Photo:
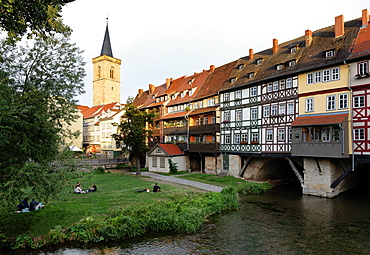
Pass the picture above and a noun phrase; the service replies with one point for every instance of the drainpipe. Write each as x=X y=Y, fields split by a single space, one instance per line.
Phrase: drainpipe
x=351 y=114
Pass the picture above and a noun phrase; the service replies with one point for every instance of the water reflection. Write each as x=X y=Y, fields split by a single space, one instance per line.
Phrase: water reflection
x=281 y=221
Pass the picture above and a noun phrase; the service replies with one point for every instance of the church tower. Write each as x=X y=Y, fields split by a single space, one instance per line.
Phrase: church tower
x=106 y=75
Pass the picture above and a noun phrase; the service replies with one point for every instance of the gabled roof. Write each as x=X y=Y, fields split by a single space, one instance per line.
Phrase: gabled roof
x=362 y=44
x=203 y=110
x=83 y=108
x=106 y=48
x=168 y=148
x=306 y=57
x=175 y=115
x=214 y=81
x=96 y=110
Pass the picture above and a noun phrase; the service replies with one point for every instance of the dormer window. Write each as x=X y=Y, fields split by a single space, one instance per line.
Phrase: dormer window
x=250 y=75
x=279 y=66
x=233 y=79
x=240 y=67
x=191 y=81
x=292 y=62
x=190 y=92
x=329 y=53
x=259 y=61
x=293 y=49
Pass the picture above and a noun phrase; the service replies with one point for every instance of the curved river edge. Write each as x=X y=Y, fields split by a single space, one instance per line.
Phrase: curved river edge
x=183 y=214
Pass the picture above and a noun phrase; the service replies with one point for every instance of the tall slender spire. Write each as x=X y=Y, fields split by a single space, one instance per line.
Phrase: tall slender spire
x=106 y=49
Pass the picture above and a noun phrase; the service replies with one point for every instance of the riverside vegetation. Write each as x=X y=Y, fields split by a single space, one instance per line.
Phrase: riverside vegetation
x=116 y=211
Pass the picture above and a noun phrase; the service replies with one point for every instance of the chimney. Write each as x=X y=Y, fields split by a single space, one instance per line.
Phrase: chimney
x=140 y=92
x=308 y=37
x=250 y=54
x=212 y=68
x=365 y=17
x=339 y=26
x=275 y=46
x=151 y=88
x=168 y=83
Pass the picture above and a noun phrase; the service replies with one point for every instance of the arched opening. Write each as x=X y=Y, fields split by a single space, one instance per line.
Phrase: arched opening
x=99 y=72
x=111 y=73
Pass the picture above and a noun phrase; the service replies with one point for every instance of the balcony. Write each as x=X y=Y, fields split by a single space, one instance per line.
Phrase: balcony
x=174 y=130
x=204 y=129
x=204 y=147
x=319 y=149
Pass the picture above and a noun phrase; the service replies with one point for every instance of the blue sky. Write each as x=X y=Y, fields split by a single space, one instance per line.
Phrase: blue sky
x=167 y=39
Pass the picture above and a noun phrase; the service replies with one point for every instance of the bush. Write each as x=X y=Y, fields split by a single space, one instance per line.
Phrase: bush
x=173 y=166
x=100 y=170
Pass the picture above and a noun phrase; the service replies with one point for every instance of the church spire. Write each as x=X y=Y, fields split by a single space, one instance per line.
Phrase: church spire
x=106 y=49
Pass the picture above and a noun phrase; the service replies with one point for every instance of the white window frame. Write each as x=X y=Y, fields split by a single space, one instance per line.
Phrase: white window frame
x=330 y=102
x=282 y=109
x=310 y=78
x=227 y=139
x=317 y=77
x=236 y=138
x=326 y=75
x=269 y=135
x=343 y=101
x=226 y=97
x=274 y=110
x=244 y=137
x=227 y=115
x=290 y=108
x=281 y=134
x=238 y=115
x=362 y=68
x=335 y=74
x=289 y=83
x=154 y=162
x=359 y=134
x=238 y=94
x=266 y=111
x=162 y=162
x=275 y=86
x=359 y=101
x=309 y=104
x=253 y=91
x=254 y=114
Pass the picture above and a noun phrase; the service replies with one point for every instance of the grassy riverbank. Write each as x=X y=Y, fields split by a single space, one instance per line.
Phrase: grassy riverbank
x=115 y=211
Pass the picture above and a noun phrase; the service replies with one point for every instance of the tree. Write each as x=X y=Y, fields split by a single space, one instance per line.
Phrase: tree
x=133 y=131
x=38 y=84
x=31 y=17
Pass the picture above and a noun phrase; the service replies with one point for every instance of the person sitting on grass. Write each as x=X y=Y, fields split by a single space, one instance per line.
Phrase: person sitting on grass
x=156 y=188
x=34 y=205
x=23 y=204
x=78 y=189
x=93 y=188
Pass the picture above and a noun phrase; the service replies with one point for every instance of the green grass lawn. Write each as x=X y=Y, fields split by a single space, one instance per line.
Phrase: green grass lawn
x=115 y=190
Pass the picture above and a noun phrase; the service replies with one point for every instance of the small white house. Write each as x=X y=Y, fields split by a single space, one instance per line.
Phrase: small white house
x=160 y=154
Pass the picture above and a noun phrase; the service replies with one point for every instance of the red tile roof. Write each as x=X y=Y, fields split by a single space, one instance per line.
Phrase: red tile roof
x=96 y=110
x=83 y=108
x=175 y=115
x=203 y=110
x=170 y=149
x=362 y=44
x=319 y=120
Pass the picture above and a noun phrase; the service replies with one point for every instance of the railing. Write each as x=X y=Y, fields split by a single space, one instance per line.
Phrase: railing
x=204 y=147
x=204 y=129
x=174 y=130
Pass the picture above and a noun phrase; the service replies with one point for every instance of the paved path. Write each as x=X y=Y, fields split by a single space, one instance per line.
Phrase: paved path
x=199 y=185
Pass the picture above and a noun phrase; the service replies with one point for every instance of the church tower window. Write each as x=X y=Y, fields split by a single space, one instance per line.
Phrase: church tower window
x=111 y=73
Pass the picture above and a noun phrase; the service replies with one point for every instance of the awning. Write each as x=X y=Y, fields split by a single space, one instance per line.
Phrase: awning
x=322 y=120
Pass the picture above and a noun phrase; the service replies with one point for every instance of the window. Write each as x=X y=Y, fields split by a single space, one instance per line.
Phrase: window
x=205 y=120
x=309 y=104
x=266 y=111
x=254 y=114
x=227 y=138
x=362 y=68
x=244 y=138
x=359 y=133
x=279 y=66
x=310 y=78
x=250 y=75
x=329 y=53
x=275 y=86
x=281 y=134
x=259 y=61
x=213 y=120
x=211 y=102
x=233 y=79
x=273 y=110
x=269 y=135
x=227 y=116
x=343 y=101
x=162 y=162
x=292 y=63
x=293 y=49
x=317 y=77
x=330 y=102
x=238 y=115
x=326 y=75
x=254 y=137
x=99 y=71
x=290 y=108
x=359 y=101
x=111 y=73
x=282 y=84
x=154 y=161
x=290 y=133
x=269 y=87
x=240 y=67
x=190 y=92
x=227 y=97
x=325 y=134
x=335 y=73
x=236 y=138
x=289 y=83
x=253 y=91
x=282 y=109
x=238 y=94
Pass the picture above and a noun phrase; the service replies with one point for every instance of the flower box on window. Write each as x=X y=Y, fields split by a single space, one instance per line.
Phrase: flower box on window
x=360 y=76
x=254 y=142
x=226 y=121
x=243 y=143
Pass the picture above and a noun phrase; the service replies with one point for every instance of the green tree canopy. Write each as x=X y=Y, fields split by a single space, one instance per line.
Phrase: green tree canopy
x=134 y=130
x=31 y=17
x=38 y=84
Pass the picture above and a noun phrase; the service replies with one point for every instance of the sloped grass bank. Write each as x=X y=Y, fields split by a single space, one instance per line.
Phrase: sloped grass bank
x=115 y=214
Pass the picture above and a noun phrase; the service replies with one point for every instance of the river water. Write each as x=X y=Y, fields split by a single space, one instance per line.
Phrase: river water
x=281 y=221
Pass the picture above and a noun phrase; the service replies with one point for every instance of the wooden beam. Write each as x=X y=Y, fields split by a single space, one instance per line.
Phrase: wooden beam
x=246 y=163
x=296 y=172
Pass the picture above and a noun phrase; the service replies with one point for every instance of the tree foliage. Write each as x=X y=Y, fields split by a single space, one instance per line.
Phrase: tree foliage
x=134 y=130
x=38 y=84
x=31 y=17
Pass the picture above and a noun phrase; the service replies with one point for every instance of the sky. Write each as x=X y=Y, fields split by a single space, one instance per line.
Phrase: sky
x=168 y=39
